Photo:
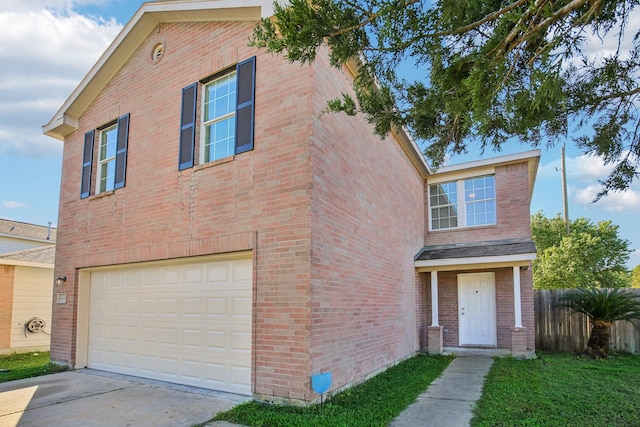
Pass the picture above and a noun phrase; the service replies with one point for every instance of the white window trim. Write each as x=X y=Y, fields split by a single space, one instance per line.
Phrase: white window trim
x=102 y=163
x=461 y=204
x=204 y=125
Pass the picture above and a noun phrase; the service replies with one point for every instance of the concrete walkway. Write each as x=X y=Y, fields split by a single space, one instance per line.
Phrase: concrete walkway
x=450 y=398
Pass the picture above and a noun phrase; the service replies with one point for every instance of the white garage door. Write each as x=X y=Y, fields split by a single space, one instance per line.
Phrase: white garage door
x=187 y=323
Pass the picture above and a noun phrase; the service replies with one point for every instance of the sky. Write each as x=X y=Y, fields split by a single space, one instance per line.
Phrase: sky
x=49 y=45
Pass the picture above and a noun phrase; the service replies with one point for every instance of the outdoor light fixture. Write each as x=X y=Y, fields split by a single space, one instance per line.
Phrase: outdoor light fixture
x=60 y=280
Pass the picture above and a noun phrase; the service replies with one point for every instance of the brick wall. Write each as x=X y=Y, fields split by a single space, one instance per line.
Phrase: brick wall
x=7 y=274
x=367 y=220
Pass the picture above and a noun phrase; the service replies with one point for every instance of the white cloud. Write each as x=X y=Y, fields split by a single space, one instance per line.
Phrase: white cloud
x=12 y=204
x=47 y=47
x=584 y=174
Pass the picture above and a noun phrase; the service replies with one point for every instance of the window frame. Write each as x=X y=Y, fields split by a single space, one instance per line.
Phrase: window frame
x=191 y=120
x=103 y=163
x=461 y=203
x=218 y=77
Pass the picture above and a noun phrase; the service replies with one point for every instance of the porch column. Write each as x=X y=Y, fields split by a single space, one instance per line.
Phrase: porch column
x=518 y=332
x=435 y=341
x=516 y=297
x=434 y=298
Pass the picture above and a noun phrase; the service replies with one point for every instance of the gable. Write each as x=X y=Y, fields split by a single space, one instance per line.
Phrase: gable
x=147 y=18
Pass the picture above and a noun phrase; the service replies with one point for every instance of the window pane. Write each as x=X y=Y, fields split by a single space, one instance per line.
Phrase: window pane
x=106 y=159
x=219 y=118
x=480 y=201
x=444 y=205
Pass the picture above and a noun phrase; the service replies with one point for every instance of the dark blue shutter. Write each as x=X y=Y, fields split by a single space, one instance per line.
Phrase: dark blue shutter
x=246 y=81
x=187 y=126
x=121 y=151
x=87 y=159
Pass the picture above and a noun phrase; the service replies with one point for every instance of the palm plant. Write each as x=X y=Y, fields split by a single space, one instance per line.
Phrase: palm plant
x=602 y=307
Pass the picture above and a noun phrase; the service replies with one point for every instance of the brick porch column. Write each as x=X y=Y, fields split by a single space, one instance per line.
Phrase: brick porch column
x=435 y=343
x=518 y=342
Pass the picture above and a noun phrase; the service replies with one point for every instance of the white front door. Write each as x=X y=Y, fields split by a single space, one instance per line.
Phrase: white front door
x=477 y=309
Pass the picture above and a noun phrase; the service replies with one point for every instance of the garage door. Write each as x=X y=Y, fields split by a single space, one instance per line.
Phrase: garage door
x=187 y=323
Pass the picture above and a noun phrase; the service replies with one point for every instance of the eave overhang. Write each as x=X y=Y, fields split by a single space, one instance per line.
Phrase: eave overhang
x=492 y=254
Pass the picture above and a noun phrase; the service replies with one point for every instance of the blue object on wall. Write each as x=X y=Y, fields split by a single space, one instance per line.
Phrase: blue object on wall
x=320 y=383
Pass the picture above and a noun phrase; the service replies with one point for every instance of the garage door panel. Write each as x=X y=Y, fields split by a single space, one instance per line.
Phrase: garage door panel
x=189 y=324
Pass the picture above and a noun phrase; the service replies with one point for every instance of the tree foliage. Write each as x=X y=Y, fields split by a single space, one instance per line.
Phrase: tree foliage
x=591 y=255
x=482 y=71
x=603 y=307
x=635 y=277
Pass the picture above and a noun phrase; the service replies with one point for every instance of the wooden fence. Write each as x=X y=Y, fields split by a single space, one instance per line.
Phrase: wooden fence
x=558 y=330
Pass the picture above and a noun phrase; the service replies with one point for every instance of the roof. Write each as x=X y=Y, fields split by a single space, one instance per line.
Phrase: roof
x=494 y=252
x=145 y=20
x=38 y=257
x=16 y=229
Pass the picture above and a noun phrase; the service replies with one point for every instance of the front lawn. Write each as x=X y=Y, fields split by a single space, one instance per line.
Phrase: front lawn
x=25 y=365
x=373 y=403
x=561 y=390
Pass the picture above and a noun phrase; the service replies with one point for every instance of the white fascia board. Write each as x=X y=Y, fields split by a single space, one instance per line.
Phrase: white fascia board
x=20 y=263
x=490 y=162
x=474 y=262
x=148 y=16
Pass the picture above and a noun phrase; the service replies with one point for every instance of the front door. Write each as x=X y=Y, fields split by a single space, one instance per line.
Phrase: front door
x=477 y=309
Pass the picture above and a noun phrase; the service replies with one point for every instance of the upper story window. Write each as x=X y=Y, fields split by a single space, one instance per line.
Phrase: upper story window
x=227 y=115
x=219 y=118
x=107 y=159
x=463 y=203
x=111 y=164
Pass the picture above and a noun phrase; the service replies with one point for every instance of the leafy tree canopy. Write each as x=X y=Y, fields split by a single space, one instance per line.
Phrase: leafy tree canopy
x=591 y=255
x=635 y=277
x=484 y=71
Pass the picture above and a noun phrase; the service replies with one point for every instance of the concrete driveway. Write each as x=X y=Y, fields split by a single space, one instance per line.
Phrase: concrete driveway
x=93 y=398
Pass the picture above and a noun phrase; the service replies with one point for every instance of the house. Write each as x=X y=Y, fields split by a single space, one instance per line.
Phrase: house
x=218 y=231
x=27 y=253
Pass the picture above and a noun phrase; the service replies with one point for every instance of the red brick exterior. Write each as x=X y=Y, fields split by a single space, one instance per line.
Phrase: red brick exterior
x=7 y=274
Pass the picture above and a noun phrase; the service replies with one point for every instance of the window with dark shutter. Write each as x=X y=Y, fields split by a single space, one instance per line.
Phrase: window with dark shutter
x=87 y=158
x=121 y=151
x=246 y=71
x=187 y=127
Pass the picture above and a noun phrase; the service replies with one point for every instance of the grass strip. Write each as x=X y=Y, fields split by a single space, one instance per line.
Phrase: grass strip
x=561 y=390
x=373 y=403
x=26 y=365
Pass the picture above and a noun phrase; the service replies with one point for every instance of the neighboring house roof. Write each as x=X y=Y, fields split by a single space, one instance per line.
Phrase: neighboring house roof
x=488 y=252
x=43 y=256
x=16 y=229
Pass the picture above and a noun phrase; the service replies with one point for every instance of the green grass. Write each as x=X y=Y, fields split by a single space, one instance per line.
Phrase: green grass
x=373 y=403
x=561 y=390
x=26 y=365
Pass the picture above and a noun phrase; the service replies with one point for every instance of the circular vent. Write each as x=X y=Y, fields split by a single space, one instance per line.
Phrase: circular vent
x=158 y=52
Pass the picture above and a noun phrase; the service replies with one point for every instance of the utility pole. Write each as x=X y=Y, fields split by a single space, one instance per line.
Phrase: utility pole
x=564 y=188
